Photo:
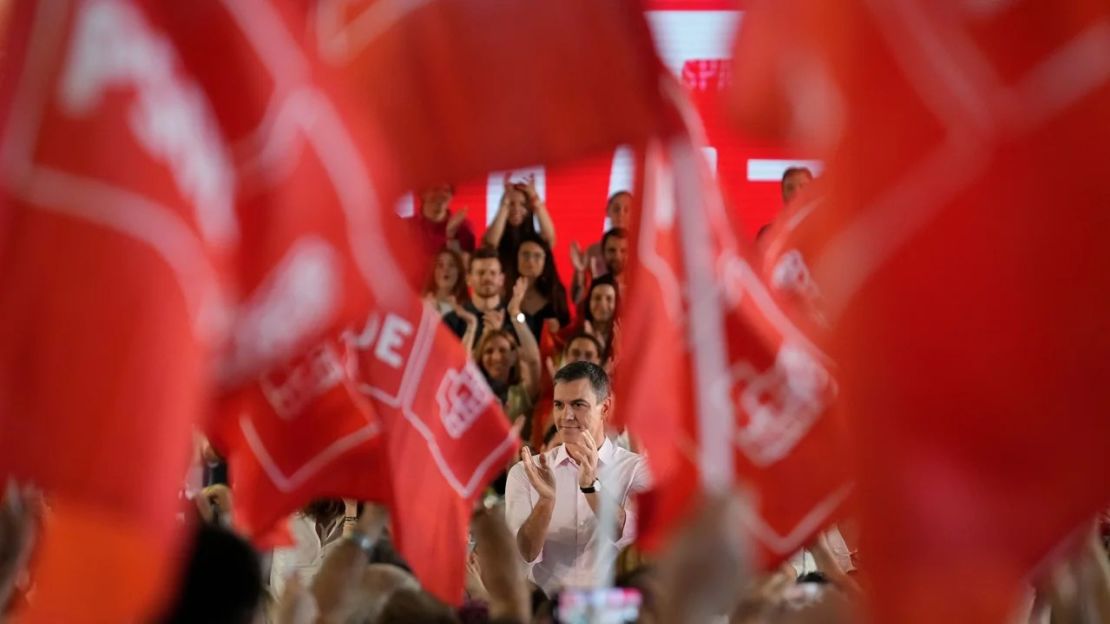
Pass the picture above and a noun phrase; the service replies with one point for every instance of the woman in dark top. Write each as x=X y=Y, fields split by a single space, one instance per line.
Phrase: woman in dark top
x=546 y=297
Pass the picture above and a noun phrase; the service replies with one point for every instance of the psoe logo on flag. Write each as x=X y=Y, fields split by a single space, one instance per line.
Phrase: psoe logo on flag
x=463 y=397
x=778 y=405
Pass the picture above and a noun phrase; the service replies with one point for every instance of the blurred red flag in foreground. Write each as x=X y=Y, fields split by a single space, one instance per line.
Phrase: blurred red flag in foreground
x=961 y=259
x=395 y=414
x=301 y=432
x=445 y=437
x=726 y=389
x=169 y=228
x=470 y=87
x=197 y=158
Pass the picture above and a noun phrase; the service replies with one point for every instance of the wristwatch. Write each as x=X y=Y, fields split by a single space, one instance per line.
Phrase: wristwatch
x=591 y=488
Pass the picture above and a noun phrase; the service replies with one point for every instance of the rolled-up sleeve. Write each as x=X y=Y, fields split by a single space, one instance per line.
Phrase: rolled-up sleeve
x=640 y=482
x=518 y=503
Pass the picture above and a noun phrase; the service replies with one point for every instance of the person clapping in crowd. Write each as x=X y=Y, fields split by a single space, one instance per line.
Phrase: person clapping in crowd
x=545 y=299
x=486 y=303
x=591 y=264
x=436 y=226
x=520 y=209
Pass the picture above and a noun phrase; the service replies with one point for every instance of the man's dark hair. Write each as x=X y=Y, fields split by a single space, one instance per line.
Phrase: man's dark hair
x=618 y=232
x=485 y=252
x=574 y=371
x=792 y=170
x=222 y=583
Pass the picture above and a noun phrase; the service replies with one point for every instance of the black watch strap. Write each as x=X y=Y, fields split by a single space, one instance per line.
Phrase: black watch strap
x=591 y=488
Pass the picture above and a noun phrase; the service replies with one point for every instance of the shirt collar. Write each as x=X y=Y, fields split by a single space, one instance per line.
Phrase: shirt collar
x=604 y=454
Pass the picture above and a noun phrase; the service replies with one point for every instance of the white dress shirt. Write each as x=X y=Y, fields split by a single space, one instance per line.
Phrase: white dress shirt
x=571 y=548
x=307 y=553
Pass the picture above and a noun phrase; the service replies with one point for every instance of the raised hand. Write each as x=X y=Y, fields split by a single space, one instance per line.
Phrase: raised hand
x=498 y=567
x=553 y=326
x=539 y=474
x=493 y=320
x=577 y=257
x=519 y=290
x=530 y=187
x=461 y=312
x=17 y=535
x=455 y=221
x=584 y=453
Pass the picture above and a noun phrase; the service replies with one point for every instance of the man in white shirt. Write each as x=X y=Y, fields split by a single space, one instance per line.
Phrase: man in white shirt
x=552 y=500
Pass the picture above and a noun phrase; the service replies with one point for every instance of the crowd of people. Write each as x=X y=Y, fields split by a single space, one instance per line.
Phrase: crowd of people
x=539 y=539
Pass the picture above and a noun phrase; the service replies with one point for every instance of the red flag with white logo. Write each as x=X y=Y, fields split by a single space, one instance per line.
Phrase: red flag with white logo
x=961 y=259
x=724 y=388
x=445 y=434
x=300 y=433
x=183 y=208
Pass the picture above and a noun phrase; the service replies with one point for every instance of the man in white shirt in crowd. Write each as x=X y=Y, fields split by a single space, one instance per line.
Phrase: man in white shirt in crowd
x=553 y=499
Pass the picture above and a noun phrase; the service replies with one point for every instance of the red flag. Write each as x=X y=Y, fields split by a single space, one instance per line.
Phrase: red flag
x=485 y=85
x=726 y=389
x=170 y=224
x=961 y=258
x=300 y=433
x=446 y=435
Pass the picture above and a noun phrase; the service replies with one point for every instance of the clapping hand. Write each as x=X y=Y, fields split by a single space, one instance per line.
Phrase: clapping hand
x=455 y=221
x=577 y=257
x=584 y=453
x=530 y=187
x=519 y=289
x=539 y=473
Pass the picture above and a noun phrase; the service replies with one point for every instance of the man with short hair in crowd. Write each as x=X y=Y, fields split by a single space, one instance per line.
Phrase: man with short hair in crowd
x=614 y=246
x=794 y=179
x=436 y=226
x=487 y=285
x=553 y=499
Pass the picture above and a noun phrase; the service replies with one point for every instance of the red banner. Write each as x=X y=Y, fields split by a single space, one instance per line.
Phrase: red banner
x=971 y=329
x=720 y=385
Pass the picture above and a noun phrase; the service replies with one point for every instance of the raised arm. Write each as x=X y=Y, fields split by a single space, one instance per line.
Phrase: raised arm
x=529 y=521
x=496 y=230
x=470 y=336
x=530 y=364
x=547 y=226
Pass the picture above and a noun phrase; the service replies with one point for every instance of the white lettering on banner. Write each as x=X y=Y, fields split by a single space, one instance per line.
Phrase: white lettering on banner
x=780 y=403
x=463 y=396
x=321 y=371
x=170 y=118
x=394 y=332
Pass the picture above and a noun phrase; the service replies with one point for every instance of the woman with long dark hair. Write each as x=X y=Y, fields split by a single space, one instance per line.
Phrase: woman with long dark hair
x=599 y=312
x=546 y=297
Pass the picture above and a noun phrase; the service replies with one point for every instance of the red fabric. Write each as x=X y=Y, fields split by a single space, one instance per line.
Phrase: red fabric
x=461 y=104
x=156 y=247
x=970 y=329
x=445 y=434
x=433 y=236
x=726 y=390
x=300 y=433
